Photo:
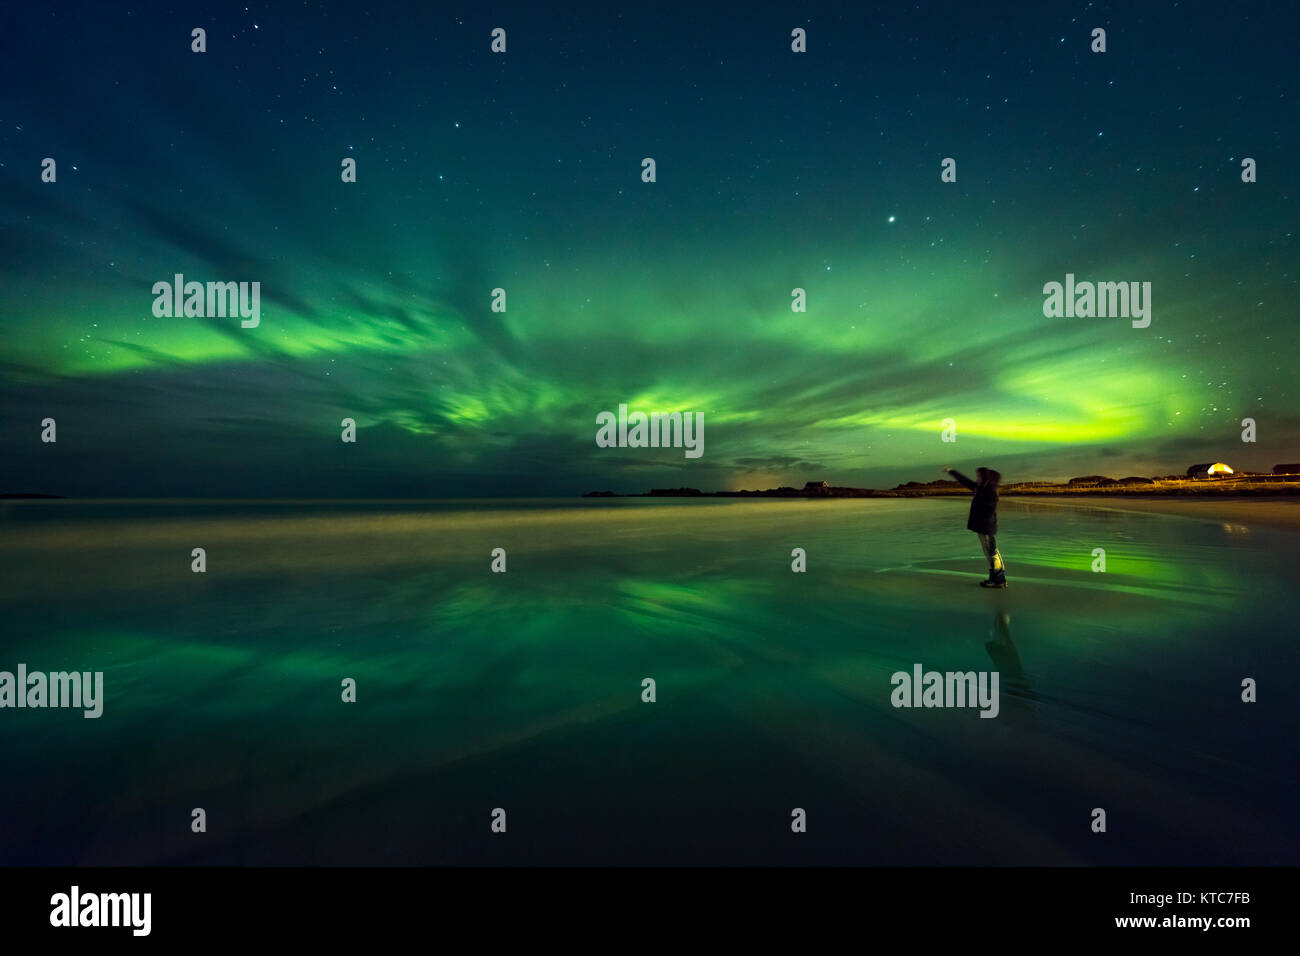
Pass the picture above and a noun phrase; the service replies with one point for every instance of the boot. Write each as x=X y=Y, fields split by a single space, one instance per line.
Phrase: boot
x=997 y=579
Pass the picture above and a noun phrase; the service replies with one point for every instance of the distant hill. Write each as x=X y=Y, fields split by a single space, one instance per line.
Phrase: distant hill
x=1243 y=483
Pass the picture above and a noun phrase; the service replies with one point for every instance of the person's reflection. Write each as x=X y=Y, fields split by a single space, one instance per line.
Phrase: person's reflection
x=1016 y=691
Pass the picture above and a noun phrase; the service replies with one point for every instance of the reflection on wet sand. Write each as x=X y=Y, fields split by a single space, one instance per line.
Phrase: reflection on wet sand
x=1016 y=691
x=222 y=689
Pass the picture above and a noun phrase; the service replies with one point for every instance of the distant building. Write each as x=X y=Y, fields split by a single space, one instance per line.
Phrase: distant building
x=1286 y=469
x=1092 y=480
x=1209 y=469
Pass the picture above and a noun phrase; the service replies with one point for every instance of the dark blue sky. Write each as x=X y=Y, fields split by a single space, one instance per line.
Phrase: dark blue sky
x=522 y=171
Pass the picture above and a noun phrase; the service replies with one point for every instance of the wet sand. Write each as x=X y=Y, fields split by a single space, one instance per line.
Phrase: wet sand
x=1280 y=512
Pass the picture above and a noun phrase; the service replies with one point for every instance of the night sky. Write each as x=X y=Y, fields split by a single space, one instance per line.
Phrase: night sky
x=775 y=170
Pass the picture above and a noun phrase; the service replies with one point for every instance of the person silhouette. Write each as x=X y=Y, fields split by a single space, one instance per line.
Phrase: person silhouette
x=983 y=519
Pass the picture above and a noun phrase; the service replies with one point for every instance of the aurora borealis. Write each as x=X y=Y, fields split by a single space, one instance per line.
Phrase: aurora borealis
x=521 y=170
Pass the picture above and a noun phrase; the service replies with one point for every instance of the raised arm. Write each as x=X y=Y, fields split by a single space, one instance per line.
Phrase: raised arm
x=962 y=478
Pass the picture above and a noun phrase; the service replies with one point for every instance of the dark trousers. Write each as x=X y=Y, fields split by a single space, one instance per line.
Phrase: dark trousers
x=990 y=545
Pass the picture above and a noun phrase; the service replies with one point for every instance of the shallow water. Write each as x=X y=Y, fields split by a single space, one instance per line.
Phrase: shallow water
x=1119 y=690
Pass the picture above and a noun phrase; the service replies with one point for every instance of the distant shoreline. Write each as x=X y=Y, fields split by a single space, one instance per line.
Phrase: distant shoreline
x=1251 y=486
x=1265 y=487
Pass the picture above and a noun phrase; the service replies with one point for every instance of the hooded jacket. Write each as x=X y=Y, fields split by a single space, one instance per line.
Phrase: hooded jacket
x=983 y=507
